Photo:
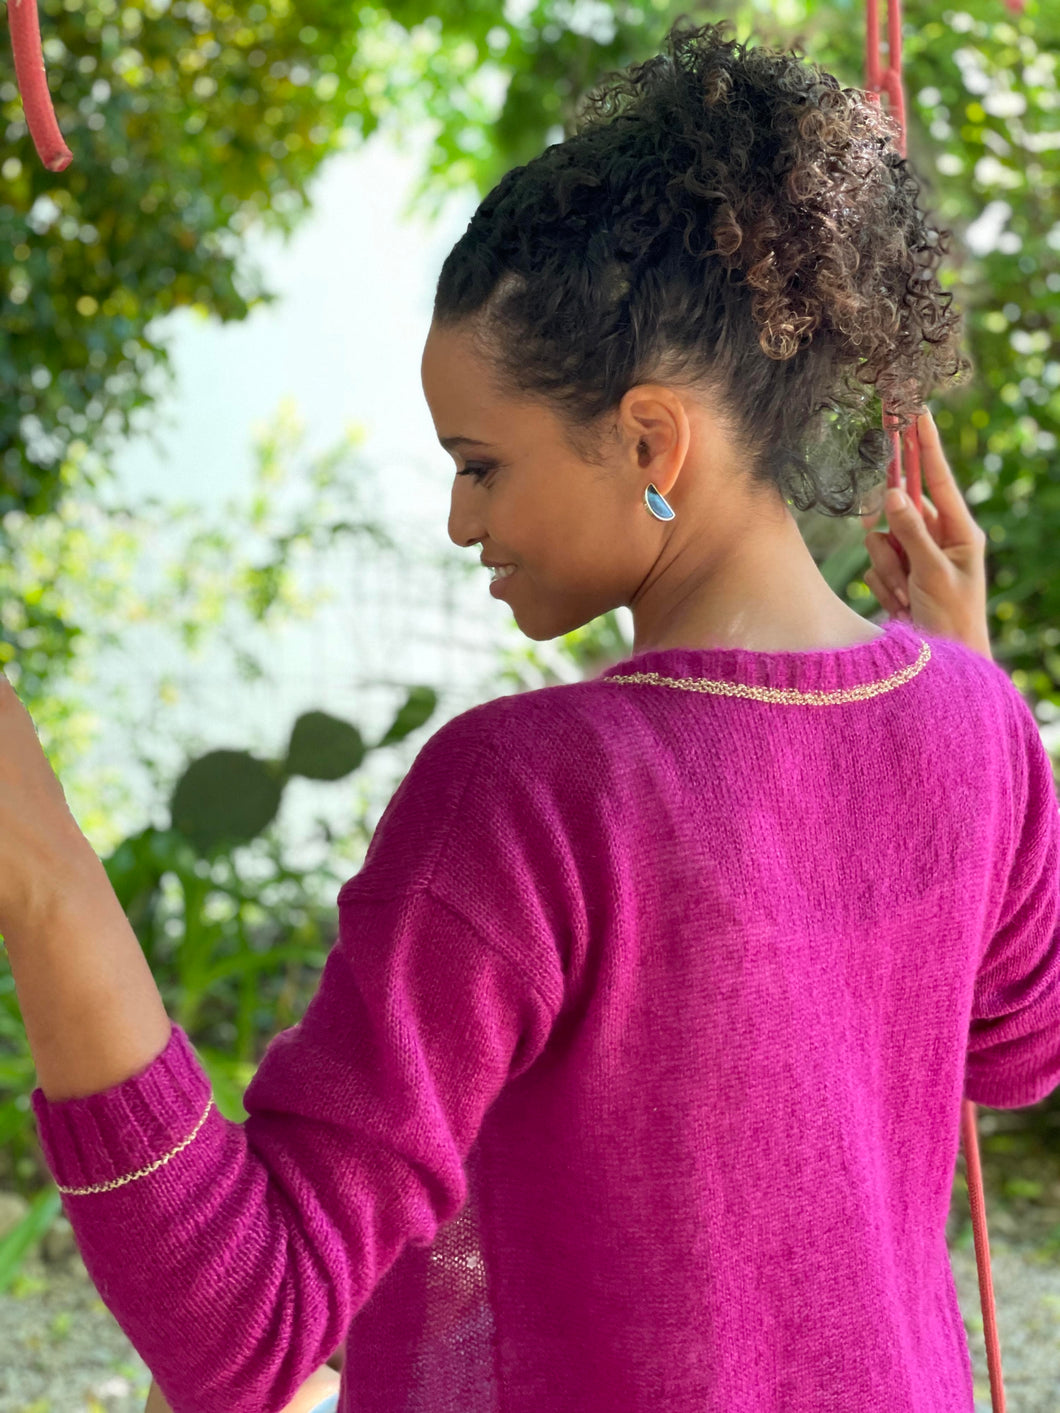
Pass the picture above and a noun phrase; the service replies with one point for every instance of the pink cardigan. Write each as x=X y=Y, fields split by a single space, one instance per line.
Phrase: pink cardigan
x=633 y=1080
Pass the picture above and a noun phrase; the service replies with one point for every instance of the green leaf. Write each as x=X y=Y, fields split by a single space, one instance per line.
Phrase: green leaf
x=418 y=708
x=22 y=1238
x=323 y=747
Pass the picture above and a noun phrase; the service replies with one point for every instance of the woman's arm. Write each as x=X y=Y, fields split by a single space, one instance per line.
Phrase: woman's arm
x=91 y=1007
x=319 y=1384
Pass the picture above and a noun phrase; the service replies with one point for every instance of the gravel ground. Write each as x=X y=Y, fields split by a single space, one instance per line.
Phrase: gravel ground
x=63 y=1351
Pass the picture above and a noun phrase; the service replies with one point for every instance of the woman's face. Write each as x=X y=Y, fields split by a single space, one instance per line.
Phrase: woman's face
x=578 y=534
x=731 y=568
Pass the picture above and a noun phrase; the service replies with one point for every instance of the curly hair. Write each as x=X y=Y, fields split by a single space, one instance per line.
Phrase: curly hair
x=731 y=220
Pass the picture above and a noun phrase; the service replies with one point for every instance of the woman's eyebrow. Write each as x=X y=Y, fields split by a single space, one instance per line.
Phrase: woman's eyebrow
x=449 y=442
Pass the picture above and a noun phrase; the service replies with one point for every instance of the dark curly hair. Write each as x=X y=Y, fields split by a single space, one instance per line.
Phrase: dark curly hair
x=728 y=219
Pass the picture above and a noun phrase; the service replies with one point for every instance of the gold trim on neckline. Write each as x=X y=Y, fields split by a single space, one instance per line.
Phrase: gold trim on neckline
x=789 y=696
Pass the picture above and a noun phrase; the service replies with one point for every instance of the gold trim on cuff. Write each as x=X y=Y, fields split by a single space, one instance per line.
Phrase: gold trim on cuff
x=120 y=1182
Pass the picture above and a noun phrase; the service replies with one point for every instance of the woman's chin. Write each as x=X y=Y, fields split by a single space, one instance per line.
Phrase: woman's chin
x=539 y=630
x=542 y=623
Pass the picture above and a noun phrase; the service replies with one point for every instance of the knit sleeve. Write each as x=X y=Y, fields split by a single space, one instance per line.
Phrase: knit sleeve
x=1013 y=1057
x=235 y=1256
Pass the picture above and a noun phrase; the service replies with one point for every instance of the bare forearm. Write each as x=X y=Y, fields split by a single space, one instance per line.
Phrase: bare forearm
x=319 y=1384
x=90 y=1007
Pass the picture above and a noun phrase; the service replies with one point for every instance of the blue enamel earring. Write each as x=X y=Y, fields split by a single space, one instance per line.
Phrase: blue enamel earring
x=656 y=503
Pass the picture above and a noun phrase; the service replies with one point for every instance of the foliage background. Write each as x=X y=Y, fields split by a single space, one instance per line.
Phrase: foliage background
x=193 y=125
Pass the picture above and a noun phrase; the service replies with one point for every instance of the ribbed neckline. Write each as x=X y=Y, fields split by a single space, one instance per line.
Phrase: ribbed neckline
x=891 y=658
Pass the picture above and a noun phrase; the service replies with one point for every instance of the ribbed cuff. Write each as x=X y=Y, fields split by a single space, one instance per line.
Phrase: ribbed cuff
x=108 y=1138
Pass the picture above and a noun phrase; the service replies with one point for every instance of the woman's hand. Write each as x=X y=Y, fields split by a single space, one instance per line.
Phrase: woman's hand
x=944 y=590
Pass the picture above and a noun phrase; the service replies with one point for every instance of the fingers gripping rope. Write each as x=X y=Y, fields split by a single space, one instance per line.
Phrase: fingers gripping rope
x=33 y=85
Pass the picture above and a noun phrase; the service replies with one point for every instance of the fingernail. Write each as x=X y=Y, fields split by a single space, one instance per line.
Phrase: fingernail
x=902 y=597
x=895 y=500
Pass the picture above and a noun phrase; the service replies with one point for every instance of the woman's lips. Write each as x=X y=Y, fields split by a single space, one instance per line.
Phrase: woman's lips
x=497 y=586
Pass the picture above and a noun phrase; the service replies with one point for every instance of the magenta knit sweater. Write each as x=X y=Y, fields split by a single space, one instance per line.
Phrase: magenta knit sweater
x=633 y=1080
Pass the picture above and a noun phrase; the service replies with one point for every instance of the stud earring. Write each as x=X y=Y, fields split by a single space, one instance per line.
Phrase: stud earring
x=657 y=504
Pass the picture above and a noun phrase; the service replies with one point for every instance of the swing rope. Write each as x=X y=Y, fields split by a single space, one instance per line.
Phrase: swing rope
x=33 y=86
x=56 y=156
x=889 y=81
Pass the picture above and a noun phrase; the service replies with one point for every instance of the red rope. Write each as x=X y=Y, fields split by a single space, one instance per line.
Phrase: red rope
x=33 y=85
x=889 y=81
x=970 y=1139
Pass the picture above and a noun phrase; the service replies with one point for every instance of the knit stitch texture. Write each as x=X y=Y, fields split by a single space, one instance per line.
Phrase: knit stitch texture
x=633 y=1080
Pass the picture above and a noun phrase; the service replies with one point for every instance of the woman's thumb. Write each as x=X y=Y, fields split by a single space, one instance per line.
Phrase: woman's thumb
x=909 y=526
x=896 y=501
x=904 y=528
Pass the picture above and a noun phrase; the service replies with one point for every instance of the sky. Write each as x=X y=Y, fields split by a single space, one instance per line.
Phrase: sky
x=355 y=286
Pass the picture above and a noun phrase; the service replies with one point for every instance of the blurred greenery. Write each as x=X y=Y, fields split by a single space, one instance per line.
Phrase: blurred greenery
x=193 y=126
x=211 y=121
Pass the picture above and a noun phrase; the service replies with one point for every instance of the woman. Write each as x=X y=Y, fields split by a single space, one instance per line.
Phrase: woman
x=945 y=590
x=633 y=1078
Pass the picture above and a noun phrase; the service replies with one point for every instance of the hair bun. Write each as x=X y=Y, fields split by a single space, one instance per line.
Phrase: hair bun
x=731 y=218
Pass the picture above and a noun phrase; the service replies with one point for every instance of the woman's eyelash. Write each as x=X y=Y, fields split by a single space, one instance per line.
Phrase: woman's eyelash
x=478 y=468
